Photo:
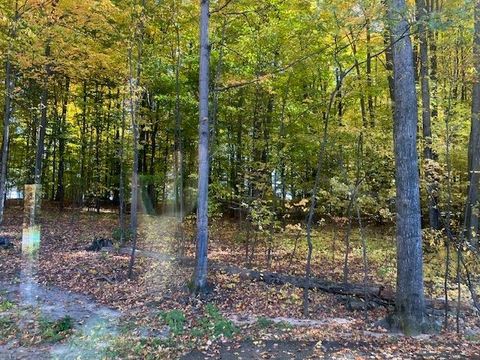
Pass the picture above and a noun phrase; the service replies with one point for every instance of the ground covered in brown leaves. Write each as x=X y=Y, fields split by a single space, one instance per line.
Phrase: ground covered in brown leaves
x=159 y=318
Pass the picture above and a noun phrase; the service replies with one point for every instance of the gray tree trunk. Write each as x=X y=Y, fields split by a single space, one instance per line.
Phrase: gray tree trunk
x=200 y=278
x=432 y=188
x=43 y=122
x=60 y=195
x=121 y=179
x=6 y=132
x=8 y=112
x=410 y=301
x=471 y=215
x=135 y=95
x=178 y=141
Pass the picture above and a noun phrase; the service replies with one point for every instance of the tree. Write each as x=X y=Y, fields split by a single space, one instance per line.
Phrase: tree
x=135 y=95
x=8 y=111
x=471 y=215
x=409 y=302
x=432 y=189
x=200 y=278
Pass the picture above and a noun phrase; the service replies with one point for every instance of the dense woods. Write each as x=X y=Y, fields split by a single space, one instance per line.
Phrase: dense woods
x=294 y=138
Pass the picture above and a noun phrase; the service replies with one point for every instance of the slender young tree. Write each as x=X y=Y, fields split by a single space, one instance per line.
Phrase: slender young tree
x=200 y=277
x=8 y=112
x=471 y=215
x=60 y=194
x=43 y=121
x=409 y=302
x=422 y=17
x=134 y=89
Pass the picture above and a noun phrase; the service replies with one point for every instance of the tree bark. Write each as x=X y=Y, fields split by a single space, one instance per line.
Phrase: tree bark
x=471 y=215
x=178 y=141
x=61 y=146
x=432 y=189
x=6 y=131
x=200 y=278
x=371 y=107
x=410 y=302
x=134 y=96
x=43 y=122
x=121 y=179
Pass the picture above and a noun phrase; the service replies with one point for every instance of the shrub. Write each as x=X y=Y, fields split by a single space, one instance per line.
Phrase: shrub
x=175 y=319
x=57 y=330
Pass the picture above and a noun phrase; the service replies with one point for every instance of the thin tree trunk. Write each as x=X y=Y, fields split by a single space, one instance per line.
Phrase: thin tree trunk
x=8 y=112
x=313 y=199
x=432 y=188
x=200 y=280
x=84 y=143
x=134 y=198
x=61 y=145
x=371 y=107
x=134 y=96
x=363 y=109
x=474 y=143
x=43 y=122
x=122 y=180
x=178 y=142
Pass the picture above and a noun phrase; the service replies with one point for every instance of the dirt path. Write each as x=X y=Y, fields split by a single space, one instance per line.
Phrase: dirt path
x=95 y=325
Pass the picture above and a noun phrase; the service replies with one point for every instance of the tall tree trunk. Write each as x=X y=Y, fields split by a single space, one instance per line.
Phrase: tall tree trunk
x=61 y=146
x=134 y=103
x=43 y=122
x=313 y=198
x=471 y=215
x=363 y=108
x=410 y=302
x=83 y=138
x=121 y=179
x=371 y=107
x=432 y=188
x=134 y=197
x=178 y=142
x=200 y=278
x=8 y=112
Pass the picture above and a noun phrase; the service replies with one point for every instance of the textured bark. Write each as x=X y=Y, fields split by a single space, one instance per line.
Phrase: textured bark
x=471 y=215
x=178 y=143
x=8 y=113
x=371 y=106
x=61 y=146
x=134 y=103
x=432 y=188
x=43 y=122
x=200 y=279
x=83 y=149
x=6 y=133
x=121 y=179
x=409 y=302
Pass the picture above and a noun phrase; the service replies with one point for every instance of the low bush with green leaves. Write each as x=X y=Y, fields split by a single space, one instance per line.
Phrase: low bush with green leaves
x=214 y=324
x=6 y=305
x=7 y=328
x=55 y=330
x=175 y=319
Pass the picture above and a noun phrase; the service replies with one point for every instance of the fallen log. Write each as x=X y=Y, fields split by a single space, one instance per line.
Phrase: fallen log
x=372 y=294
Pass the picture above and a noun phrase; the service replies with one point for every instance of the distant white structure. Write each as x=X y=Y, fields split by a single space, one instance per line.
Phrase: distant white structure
x=13 y=193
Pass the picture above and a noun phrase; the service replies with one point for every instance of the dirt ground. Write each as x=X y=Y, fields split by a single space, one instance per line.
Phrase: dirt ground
x=114 y=317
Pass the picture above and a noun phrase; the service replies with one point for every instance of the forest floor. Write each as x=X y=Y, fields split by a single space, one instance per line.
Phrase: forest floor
x=74 y=304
